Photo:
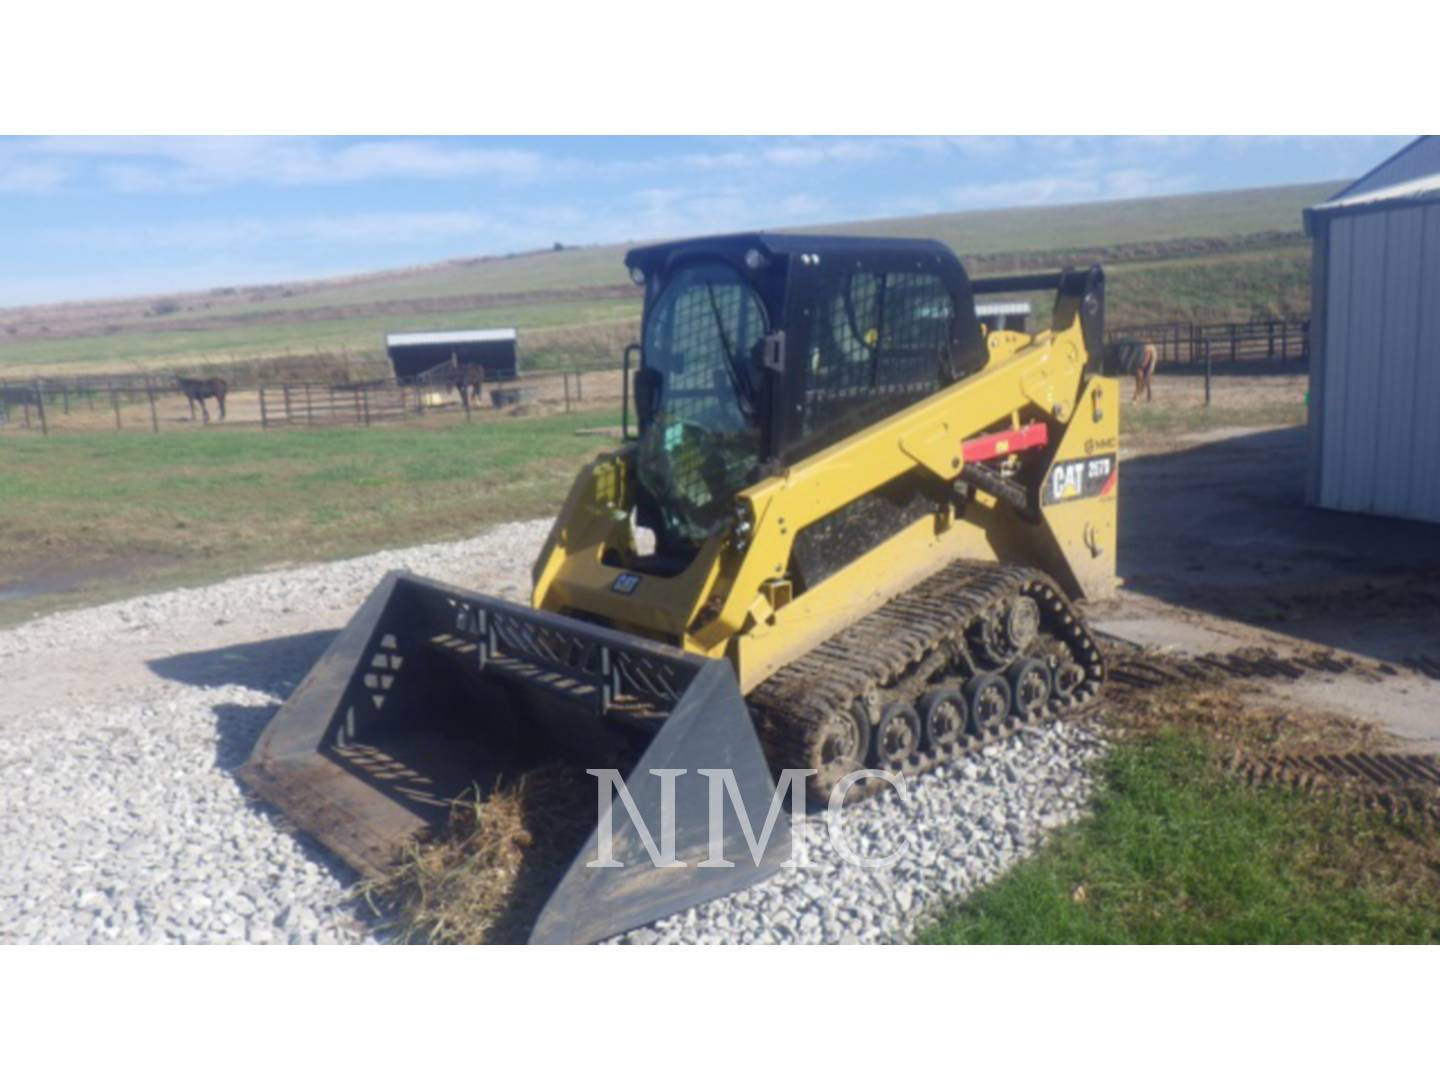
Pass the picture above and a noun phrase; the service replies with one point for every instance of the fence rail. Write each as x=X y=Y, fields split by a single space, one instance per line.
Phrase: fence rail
x=1196 y=343
x=46 y=406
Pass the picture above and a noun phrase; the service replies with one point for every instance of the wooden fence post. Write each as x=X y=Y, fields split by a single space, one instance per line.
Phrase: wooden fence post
x=154 y=418
x=365 y=403
x=40 y=407
x=115 y=404
x=566 y=376
x=285 y=398
x=309 y=409
x=264 y=420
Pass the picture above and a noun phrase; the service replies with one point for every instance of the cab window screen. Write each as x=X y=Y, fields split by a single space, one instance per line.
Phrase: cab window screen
x=877 y=344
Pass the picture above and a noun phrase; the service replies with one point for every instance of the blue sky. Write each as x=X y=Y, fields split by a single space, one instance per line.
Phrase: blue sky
x=111 y=216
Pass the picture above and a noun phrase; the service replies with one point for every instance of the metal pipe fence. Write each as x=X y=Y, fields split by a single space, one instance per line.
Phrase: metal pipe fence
x=1259 y=341
x=127 y=403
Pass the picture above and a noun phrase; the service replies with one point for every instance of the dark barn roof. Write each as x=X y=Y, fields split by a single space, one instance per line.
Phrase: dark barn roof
x=413 y=354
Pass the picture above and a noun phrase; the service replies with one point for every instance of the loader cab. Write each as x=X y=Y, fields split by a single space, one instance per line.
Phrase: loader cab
x=761 y=349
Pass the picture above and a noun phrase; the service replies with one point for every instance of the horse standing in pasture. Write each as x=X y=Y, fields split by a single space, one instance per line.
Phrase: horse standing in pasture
x=197 y=390
x=1144 y=371
x=469 y=382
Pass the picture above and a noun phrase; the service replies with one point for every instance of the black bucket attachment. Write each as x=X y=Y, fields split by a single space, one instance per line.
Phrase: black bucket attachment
x=431 y=691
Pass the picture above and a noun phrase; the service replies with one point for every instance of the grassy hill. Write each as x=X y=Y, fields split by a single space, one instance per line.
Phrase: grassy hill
x=1210 y=256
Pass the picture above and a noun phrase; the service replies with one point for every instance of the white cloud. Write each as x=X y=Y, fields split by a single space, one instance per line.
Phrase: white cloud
x=1078 y=185
x=203 y=164
x=812 y=153
x=33 y=178
x=366 y=229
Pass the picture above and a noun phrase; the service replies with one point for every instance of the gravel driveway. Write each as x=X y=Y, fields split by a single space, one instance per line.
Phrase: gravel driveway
x=121 y=820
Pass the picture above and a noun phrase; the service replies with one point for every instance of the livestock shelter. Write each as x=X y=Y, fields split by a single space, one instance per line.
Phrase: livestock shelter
x=1375 y=340
x=414 y=354
x=1004 y=314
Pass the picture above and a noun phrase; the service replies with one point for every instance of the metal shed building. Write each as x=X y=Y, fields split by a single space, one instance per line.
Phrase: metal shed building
x=1374 y=425
x=413 y=354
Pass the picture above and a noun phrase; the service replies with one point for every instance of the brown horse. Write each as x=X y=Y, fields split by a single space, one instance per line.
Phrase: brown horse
x=197 y=390
x=1144 y=371
x=469 y=381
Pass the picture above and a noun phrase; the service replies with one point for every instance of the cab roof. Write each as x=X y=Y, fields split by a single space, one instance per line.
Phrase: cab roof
x=732 y=246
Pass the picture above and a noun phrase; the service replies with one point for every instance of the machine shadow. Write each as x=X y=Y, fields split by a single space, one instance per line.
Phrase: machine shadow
x=1222 y=528
x=274 y=666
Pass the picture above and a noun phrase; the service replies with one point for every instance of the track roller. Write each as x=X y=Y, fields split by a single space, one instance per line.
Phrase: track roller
x=944 y=717
x=1030 y=687
x=988 y=697
x=897 y=737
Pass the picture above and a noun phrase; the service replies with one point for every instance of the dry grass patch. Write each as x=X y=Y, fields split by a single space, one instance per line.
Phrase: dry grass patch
x=484 y=880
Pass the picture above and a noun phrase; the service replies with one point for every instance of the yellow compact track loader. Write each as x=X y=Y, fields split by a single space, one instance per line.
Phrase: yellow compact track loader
x=845 y=534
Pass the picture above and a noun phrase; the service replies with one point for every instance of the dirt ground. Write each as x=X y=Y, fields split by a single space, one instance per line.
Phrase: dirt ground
x=1218 y=551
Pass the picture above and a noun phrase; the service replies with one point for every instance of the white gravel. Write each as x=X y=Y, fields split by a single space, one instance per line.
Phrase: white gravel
x=125 y=824
x=121 y=820
x=120 y=817
x=964 y=825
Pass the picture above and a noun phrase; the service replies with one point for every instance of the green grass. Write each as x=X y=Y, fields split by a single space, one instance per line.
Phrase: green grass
x=158 y=346
x=1212 y=288
x=176 y=508
x=1178 y=852
x=1103 y=224
x=1164 y=419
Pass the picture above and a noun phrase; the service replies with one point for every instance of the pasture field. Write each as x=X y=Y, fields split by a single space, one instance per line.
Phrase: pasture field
x=554 y=332
x=115 y=514
x=1214 y=215
x=1216 y=256
x=97 y=514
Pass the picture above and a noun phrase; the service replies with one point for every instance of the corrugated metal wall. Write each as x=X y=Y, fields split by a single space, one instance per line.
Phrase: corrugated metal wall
x=1376 y=384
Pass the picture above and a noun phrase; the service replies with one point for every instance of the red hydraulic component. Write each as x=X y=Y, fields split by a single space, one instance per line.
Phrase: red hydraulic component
x=1003 y=443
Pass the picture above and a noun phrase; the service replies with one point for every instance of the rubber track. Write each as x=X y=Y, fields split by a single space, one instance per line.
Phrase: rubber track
x=871 y=658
